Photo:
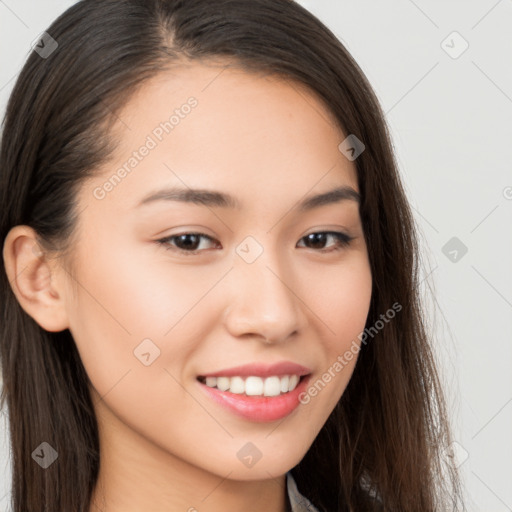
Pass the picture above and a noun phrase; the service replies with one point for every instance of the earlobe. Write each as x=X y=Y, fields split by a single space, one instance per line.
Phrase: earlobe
x=36 y=280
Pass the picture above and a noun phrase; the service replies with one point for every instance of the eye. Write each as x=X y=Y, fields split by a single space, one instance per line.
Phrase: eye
x=186 y=243
x=191 y=243
x=318 y=240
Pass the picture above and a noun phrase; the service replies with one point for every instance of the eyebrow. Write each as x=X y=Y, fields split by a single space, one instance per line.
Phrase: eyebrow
x=223 y=200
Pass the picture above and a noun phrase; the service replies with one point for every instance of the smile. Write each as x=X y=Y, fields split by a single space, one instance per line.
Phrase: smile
x=253 y=385
x=256 y=407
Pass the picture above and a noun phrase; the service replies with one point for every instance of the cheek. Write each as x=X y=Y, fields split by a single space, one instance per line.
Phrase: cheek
x=127 y=308
x=341 y=301
x=131 y=293
x=342 y=297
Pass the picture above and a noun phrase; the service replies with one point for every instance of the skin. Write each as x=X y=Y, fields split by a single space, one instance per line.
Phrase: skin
x=165 y=445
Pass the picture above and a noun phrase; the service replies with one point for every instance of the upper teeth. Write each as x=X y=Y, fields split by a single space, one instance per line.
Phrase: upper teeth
x=254 y=386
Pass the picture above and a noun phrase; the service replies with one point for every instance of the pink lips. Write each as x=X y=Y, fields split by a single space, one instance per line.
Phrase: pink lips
x=262 y=370
x=259 y=408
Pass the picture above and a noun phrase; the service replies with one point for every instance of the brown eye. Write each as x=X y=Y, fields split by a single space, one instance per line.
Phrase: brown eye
x=189 y=243
x=318 y=240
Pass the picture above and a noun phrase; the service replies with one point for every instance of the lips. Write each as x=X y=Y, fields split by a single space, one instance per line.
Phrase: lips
x=257 y=391
x=261 y=370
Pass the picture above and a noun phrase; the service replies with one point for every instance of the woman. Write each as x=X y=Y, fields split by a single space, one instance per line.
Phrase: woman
x=209 y=294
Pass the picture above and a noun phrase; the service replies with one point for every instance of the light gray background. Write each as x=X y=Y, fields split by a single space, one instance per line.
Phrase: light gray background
x=450 y=119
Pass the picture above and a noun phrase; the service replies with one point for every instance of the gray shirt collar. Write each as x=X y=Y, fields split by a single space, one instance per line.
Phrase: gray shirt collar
x=298 y=502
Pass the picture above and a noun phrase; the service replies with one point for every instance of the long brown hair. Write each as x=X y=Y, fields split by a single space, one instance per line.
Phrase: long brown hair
x=381 y=448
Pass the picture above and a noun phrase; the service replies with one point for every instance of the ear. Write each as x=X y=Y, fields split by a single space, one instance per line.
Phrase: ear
x=36 y=279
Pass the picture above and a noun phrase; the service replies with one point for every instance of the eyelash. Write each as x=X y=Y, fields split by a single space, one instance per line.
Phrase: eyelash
x=343 y=239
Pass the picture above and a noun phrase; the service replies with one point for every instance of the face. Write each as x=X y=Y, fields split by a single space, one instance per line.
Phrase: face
x=172 y=291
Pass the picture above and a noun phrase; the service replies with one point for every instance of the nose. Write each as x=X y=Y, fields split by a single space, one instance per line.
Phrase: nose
x=263 y=302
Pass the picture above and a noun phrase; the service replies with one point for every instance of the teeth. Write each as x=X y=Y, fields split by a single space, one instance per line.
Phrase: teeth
x=284 y=383
x=211 y=381
x=255 y=386
x=272 y=386
x=237 y=385
x=223 y=383
x=294 y=380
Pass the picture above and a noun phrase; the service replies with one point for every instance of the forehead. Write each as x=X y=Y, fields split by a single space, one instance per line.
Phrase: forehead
x=217 y=126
